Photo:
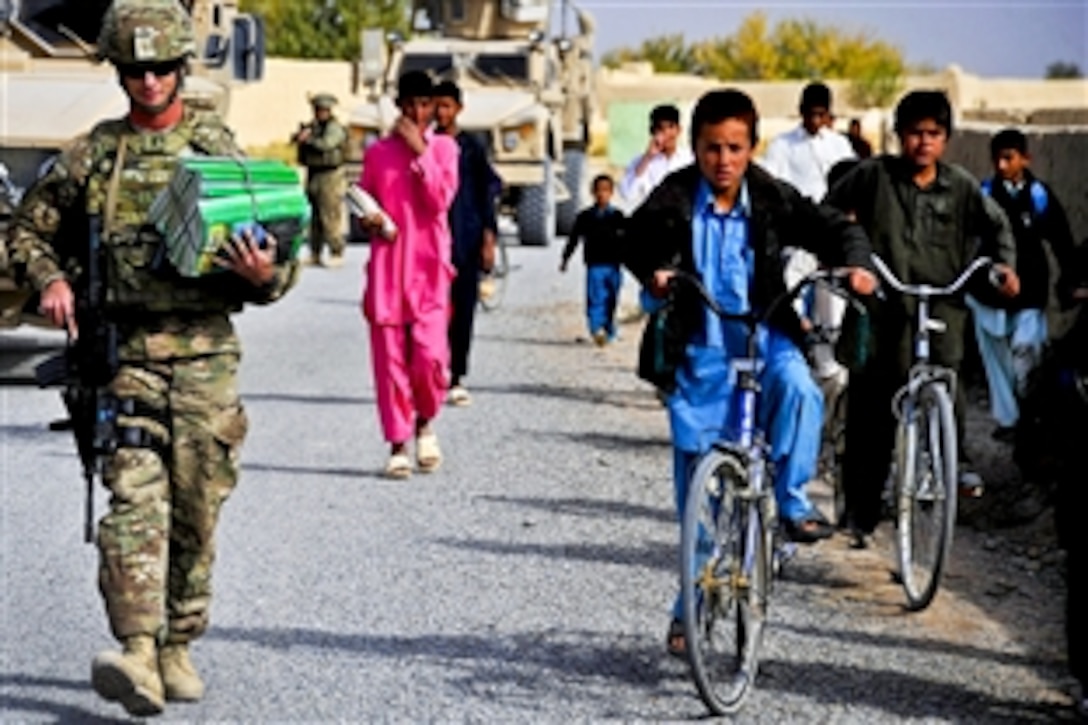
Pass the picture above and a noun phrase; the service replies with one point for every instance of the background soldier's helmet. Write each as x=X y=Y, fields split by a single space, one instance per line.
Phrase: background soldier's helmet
x=146 y=31
x=323 y=100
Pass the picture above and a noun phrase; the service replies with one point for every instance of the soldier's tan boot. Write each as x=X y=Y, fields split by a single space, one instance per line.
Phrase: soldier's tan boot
x=179 y=677
x=130 y=677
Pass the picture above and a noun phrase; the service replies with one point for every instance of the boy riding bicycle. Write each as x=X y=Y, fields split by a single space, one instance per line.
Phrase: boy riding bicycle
x=925 y=219
x=726 y=221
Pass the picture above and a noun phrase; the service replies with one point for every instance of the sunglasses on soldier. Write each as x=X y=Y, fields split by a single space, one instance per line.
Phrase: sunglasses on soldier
x=133 y=71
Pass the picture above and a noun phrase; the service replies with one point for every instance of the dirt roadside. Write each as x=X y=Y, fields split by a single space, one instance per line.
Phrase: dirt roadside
x=1004 y=590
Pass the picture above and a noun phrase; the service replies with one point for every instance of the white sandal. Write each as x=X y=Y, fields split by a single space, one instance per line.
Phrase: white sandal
x=428 y=454
x=399 y=466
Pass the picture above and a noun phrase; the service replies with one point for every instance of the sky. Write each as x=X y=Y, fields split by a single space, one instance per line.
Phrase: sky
x=1006 y=38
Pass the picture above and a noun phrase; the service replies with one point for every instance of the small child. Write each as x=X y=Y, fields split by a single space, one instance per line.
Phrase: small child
x=601 y=226
x=1011 y=332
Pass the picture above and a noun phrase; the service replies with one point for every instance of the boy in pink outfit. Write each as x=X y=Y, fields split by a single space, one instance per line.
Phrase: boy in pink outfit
x=412 y=174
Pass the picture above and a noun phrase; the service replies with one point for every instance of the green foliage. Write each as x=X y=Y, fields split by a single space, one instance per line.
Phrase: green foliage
x=667 y=53
x=324 y=28
x=791 y=50
x=1063 y=70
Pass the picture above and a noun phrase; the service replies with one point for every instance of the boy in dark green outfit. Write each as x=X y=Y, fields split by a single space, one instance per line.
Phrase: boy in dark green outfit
x=925 y=219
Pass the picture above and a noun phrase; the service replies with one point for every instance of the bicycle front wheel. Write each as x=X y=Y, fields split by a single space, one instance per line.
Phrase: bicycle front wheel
x=725 y=574
x=493 y=284
x=925 y=492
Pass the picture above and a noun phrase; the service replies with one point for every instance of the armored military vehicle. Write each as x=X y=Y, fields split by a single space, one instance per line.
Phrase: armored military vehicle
x=55 y=89
x=527 y=95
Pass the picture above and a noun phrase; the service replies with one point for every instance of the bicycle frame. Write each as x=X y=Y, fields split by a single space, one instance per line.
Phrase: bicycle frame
x=935 y=384
x=748 y=444
x=922 y=372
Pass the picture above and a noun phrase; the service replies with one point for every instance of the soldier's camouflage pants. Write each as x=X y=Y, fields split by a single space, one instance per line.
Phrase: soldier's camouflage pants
x=157 y=542
x=325 y=191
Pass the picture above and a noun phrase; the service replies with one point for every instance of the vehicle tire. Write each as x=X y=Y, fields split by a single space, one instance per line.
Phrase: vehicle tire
x=536 y=211
x=724 y=606
x=494 y=282
x=574 y=177
x=926 y=491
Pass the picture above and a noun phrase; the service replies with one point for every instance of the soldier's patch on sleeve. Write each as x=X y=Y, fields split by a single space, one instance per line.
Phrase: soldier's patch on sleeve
x=143 y=42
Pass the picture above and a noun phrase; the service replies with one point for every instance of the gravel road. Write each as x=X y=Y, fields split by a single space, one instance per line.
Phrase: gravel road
x=527 y=581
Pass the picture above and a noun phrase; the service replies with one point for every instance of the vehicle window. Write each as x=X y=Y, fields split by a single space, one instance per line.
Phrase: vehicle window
x=500 y=66
x=435 y=63
x=83 y=17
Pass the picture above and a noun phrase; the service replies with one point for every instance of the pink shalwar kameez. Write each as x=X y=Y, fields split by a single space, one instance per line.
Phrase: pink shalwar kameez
x=407 y=295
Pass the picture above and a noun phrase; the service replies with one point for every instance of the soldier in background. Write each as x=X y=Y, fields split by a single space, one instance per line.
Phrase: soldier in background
x=181 y=422
x=321 y=150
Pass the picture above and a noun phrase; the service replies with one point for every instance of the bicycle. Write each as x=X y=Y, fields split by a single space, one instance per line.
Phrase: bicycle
x=728 y=547
x=493 y=283
x=924 y=461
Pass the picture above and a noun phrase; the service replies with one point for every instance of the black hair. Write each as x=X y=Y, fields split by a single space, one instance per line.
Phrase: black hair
x=717 y=106
x=1008 y=139
x=815 y=95
x=448 y=89
x=921 y=106
x=601 y=178
x=839 y=170
x=414 y=84
x=665 y=113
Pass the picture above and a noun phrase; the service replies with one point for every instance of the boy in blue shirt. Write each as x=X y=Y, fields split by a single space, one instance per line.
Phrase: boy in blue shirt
x=601 y=226
x=726 y=220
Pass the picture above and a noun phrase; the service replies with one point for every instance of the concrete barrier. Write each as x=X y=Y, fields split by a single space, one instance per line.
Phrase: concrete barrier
x=1057 y=156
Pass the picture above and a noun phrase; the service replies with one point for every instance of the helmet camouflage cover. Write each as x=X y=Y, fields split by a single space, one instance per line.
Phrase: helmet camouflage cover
x=146 y=31
x=323 y=100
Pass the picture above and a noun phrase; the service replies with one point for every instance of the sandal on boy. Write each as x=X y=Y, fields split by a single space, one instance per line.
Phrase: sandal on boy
x=399 y=466
x=428 y=454
x=676 y=643
x=808 y=529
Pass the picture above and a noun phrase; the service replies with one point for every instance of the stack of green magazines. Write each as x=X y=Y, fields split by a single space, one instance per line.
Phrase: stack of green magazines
x=209 y=198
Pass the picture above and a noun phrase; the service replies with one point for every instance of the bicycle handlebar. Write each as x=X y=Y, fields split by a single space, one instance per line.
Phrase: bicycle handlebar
x=927 y=290
x=752 y=319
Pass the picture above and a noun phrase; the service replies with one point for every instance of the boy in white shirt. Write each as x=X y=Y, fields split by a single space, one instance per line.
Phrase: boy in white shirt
x=804 y=155
x=663 y=155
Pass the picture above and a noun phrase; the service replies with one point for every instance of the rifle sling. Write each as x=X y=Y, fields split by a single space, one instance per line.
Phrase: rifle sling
x=115 y=183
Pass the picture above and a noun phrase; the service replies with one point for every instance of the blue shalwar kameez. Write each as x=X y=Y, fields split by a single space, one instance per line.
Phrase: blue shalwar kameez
x=791 y=405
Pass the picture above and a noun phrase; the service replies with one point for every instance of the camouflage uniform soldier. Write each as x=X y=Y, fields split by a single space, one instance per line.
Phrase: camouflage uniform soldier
x=321 y=150
x=178 y=352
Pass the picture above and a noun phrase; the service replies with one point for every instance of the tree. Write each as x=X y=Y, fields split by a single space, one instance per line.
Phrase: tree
x=1061 y=69
x=791 y=50
x=324 y=28
x=667 y=54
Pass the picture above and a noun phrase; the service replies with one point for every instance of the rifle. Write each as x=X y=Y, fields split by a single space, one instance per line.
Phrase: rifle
x=85 y=369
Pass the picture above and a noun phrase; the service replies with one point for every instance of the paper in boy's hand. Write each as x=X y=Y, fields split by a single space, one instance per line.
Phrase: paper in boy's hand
x=363 y=205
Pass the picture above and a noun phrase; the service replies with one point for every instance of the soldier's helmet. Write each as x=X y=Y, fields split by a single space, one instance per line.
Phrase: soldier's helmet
x=323 y=100
x=146 y=31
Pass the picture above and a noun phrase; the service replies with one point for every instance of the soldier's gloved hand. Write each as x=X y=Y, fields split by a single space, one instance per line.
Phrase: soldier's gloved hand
x=248 y=260
x=59 y=305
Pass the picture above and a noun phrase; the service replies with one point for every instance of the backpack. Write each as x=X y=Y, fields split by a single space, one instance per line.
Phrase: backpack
x=1039 y=197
